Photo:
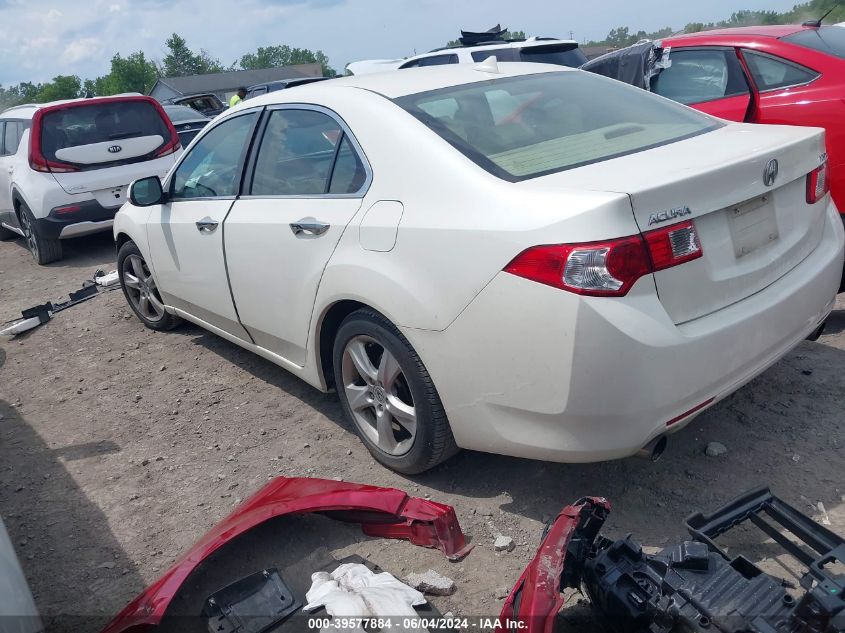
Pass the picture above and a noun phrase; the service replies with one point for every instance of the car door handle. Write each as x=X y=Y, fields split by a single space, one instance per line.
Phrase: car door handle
x=207 y=225
x=308 y=226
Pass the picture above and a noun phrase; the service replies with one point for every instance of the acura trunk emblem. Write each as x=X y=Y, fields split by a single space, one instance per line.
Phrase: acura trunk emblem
x=114 y=149
x=770 y=173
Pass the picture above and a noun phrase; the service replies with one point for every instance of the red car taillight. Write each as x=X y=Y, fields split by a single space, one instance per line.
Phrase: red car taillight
x=610 y=268
x=818 y=183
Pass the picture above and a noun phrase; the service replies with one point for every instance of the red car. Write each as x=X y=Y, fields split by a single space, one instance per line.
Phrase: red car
x=792 y=75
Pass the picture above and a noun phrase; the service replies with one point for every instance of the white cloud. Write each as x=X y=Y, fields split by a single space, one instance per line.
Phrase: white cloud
x=53 y=14
x=114 y=8
x=81 y=49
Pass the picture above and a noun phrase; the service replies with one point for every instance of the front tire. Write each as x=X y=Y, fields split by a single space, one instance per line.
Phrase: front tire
x=140 y=289
x=44 y=250
x=386 y=391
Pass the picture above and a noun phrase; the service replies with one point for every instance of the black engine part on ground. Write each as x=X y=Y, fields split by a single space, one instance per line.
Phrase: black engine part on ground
x=697 y=587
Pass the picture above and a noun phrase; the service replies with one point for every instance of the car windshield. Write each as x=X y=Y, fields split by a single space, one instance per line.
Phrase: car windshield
x=827 y=39
x=532 y=125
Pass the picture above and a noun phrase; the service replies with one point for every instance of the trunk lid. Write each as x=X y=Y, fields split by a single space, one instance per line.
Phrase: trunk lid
x=109 y=185
x=751 y=233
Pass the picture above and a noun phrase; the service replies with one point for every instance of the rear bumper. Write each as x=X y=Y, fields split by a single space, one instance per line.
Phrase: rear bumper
x=91 y=217
x=531 y=371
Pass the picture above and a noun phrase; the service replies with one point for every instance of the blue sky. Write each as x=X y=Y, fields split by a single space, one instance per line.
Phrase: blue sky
x=39 y=39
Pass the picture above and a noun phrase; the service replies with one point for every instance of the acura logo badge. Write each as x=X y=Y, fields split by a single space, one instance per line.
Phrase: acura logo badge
x=770 y=173
x=114 y=149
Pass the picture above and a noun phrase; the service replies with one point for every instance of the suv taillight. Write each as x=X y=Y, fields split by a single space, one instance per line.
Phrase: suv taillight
x=818 y=183
x=37 y=160
x=609 y=268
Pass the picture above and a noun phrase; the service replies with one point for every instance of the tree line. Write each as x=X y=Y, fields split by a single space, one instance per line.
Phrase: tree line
x=815 y=9
x=137 y=73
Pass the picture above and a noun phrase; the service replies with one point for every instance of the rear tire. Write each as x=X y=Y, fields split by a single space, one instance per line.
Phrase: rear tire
x=141 y=291
x=44 y=250
x=388 y=395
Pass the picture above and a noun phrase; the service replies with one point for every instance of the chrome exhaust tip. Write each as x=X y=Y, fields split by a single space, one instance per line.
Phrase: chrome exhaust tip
x=654 y=450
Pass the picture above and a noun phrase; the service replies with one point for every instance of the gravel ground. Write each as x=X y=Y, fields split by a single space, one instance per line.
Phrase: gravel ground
x=120 y=446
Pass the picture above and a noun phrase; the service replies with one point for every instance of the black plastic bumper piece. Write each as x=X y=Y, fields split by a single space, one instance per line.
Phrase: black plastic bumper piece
x=696 y=587
x=89 y=211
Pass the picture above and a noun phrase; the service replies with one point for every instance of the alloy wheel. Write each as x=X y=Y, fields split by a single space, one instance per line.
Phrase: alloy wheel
x=141 y=288
x=379 y=395
x=29 y=236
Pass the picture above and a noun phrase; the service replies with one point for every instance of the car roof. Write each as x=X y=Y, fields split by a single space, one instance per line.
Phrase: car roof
x=398 y=83
x=777 y=31
x=27 y=110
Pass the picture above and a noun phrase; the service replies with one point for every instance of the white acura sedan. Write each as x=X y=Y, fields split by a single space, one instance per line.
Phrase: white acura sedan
x=514 y=258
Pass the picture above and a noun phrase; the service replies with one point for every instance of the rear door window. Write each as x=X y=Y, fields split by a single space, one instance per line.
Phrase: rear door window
x=112 y=132
x=773 y=73
x=501 y=54
x=297 y=153
x=434 y=60
x=11 y=137
x=700 y=75
x=827 y=39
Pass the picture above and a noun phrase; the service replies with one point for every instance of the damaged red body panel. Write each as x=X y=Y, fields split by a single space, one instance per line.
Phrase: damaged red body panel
x=537 y=596
x=382 y=512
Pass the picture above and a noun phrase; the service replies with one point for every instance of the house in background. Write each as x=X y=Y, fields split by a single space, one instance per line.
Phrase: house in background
x=224 y=85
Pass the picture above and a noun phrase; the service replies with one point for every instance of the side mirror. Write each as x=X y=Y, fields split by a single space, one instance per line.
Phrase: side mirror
x=146 y=192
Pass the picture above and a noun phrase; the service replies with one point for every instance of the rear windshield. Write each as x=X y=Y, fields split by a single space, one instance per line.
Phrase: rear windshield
x=827 y=39
x=99 y=123
x=522 y=127
x=180 y=113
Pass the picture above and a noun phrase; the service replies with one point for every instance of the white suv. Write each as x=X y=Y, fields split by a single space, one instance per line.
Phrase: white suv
x=544 y=50
x=65 y=166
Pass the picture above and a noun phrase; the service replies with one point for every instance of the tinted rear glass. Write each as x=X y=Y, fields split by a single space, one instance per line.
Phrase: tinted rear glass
x=527 y=126
x=827 y=39
x=560 y=54
x=99 y=123
x=182 y=113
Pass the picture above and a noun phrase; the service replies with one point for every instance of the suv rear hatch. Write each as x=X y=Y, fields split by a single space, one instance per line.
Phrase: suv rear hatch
x=101 y=145
x=751 y=233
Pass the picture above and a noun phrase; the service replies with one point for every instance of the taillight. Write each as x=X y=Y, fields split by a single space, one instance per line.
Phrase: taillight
x=68 y=208
x=673 y=245
x=610 y=268
x=818 y=183
x=37 y=160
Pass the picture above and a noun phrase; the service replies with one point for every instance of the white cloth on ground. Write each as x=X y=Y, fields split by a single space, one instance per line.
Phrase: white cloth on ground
x=353 y=590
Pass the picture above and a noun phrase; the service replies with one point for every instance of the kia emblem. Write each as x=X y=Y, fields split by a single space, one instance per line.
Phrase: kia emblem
x=770 y=173
x=114 y=149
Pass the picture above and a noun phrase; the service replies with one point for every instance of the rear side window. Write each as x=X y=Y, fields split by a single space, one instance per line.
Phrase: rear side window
x=501 y=54
x=827 y=39
x=434 y=60
x=105 y=132
x=696 y=76
x=305 y=153
x=559 y=54
x=532 y=125
x=11 y=137
x=772 y=73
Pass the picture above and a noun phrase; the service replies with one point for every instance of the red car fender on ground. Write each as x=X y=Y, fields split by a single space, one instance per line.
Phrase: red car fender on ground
x=382 y=512
x=536 y=598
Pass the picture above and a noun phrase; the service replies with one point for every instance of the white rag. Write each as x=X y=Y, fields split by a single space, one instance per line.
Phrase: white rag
x=354 y=591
